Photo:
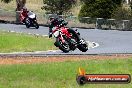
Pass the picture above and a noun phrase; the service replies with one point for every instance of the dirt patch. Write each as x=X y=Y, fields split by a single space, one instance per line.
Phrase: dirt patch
x=29 y=60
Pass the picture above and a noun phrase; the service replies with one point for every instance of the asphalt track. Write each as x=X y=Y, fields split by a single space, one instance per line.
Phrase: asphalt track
x=110 y=41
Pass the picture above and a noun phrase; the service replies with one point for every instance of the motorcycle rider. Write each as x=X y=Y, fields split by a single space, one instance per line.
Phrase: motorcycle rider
x=23 y=14
x=60 y=22
x=55 y=22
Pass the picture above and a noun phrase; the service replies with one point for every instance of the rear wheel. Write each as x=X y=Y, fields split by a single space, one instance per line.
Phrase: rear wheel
x=63 y=46
x=73 y=44
x=82 y=46
x=74 y=39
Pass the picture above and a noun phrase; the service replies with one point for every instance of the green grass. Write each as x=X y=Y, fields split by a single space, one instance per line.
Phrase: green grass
x=13 y=42
x=61 y=74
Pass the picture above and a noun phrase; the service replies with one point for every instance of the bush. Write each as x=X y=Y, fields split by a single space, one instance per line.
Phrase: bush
x=58 y=6
x=98 y=8
x=122 y=14
x=6 y=1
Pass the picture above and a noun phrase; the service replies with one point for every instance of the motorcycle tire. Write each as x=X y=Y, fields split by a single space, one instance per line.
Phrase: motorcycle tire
x=27 y=26
x=83 y=47
x=73 y=44
x=36 y=26
x=26 y=22
x=61 y=47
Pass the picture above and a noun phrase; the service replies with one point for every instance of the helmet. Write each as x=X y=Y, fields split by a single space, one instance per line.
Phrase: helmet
x=24 y=9
x=51 y=18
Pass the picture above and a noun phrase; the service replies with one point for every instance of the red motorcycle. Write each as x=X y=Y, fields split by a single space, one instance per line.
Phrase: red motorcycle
x=66 y=39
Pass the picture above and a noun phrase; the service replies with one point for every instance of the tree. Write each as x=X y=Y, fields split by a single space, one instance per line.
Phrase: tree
x=89 y=1
x=58 y=6
x=98 y=8
x=6 y=1
x=19 y=5
x=117 y=2
x=122 y=13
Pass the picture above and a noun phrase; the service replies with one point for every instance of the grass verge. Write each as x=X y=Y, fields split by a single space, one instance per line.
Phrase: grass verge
x=15 y=42
x=62 y=74
x=34 y=5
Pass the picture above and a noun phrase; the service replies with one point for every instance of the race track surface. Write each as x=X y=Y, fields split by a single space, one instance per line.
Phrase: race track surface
x=110 y=41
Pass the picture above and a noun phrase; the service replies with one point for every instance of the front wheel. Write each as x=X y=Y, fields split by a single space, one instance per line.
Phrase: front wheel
x=27 y=25
x=64 y=46
x=82 y=46
x=36 y=25
x=27 y=22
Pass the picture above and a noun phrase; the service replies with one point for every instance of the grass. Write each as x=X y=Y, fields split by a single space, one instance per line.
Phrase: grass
x=34 y=5
x=61 y=74
x=13 y=42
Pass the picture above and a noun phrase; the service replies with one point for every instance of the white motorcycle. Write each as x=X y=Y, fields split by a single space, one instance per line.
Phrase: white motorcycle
x=31 y=20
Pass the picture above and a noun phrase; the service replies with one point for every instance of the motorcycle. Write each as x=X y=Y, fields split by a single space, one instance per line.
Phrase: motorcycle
x=66 y=40
x=31 y=20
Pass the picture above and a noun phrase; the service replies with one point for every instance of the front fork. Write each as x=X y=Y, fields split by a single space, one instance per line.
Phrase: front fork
x=28 y=21
x=62 y=38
